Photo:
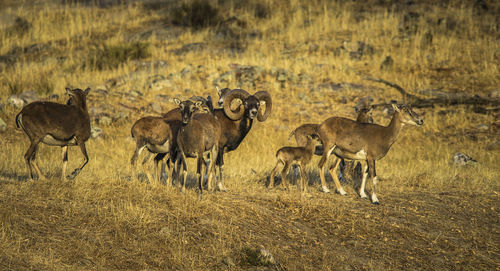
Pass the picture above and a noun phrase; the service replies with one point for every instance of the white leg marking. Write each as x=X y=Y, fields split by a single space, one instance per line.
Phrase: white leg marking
x=325 y=188
x=374 y=196
x=362 y=193
x=342 y=191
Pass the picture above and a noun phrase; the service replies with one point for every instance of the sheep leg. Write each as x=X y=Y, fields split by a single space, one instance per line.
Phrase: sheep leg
x=362 y=193
x=321 y=165
x=220 y=163
x=159 y=157
x=303 y=177
x=283 y=176
x=145 y=167
x=273 y=172
x=35 y=165
x=171 y=165
x=333 y=170
x=373 y=173
x=64 y=150
x=81 y=144
x=157 y=172
x=199 y=166
x=212 y=177
x=138 y=150
x=29 y=155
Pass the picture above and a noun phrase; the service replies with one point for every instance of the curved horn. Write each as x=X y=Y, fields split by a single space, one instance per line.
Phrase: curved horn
x=235 y=94
x=264 y=96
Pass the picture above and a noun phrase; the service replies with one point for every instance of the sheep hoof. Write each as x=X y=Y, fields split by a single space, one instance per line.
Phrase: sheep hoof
x=325 y=189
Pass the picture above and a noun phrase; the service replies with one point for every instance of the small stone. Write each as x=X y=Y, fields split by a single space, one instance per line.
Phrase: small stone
x=104 y=120
x=483 y=127
x=96 y=132
x=266 y=257
x=229 y=262
x=160 y=85
x=15 y=101
x=462 y=159
x=387 y=64
x=29 y=96
x=495 y=94
x=156 y=107
x=135 y=93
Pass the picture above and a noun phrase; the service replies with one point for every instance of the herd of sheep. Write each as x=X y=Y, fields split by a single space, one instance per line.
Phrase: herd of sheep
x=195 y=129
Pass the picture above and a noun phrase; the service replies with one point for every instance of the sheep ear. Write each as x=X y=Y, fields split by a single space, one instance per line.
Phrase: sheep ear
x=177 y=101
x=87 y=91
x=68 y=90
x=219 y=91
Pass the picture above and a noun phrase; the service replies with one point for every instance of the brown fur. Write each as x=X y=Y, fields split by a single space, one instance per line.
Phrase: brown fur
x=157 y=134
x=347 y=139
x=198 y=135
x=235 y=125
x=289 y=156
x=58 y=125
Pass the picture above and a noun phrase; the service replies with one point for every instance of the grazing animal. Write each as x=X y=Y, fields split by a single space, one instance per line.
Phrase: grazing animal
x=56 y=124
x=198 y=135
x=159 y=135
x=301 y=156
x=222 y=95
x=236 y=124
x=156 y=134
x=363 y=142
x=301 y=133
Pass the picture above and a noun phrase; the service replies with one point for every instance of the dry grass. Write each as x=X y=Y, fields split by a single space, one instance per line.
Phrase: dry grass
x=434 y=215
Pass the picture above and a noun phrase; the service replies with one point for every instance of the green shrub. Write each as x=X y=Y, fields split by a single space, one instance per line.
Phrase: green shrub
x=196 y=14
x=112 y=56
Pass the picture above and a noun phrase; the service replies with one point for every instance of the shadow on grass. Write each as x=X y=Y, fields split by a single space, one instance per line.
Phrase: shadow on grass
x=353 y=179
x=13 y=177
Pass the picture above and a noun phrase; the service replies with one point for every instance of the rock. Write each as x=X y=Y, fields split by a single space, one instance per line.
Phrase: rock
x=3 y=126
x=121 y=117
x=482 y=127
x=266 y=258
x=15 y=101
x=104 y=120
x=357 y=49
x=495 y=94
x=225 y=79
x=96 y=133
x=186 y=70
x=160 y=85
x=135 y=93
x=29 y=96
x=280 y=74
x=462 y=159
x=387 y=64
x=156 y=107
x=304 y=97
x=228 y=261
x=313 y=47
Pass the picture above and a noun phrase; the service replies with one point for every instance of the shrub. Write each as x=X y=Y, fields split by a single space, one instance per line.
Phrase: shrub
x=112 y=56
x=196 y=14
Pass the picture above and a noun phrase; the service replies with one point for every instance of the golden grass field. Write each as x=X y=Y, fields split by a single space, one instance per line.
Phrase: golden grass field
x=434 y=215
